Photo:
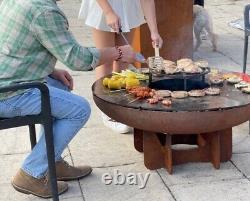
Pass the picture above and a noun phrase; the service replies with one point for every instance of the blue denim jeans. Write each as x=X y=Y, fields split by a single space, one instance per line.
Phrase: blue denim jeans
x=70 y=112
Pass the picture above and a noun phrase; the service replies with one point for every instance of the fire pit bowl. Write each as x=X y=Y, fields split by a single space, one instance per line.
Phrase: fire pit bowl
x=195 y=115
x=210 y=118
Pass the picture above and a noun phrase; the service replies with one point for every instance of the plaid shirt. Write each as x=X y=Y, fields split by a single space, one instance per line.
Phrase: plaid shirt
x=33 y=35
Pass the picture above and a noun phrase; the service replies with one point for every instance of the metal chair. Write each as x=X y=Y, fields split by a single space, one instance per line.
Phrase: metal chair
x=43 y=118
x=247 y=34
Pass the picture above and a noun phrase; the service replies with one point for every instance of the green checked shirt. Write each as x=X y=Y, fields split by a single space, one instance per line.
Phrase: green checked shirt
x=33 y=35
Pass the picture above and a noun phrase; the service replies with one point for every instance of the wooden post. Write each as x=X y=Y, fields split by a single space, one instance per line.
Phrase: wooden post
x=175 y=23
x=138 y=139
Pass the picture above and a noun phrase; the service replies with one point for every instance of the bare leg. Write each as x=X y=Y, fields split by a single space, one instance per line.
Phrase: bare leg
x=103 y=39
x=118 y=66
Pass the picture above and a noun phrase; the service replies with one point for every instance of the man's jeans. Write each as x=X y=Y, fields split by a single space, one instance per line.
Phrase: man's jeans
x=70 y=113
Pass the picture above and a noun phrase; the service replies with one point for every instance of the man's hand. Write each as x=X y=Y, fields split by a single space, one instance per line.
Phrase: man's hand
x=128 y=54
x=64 y=77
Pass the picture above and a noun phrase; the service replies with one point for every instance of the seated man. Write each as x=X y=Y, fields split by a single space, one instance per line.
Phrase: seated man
x=33 y=35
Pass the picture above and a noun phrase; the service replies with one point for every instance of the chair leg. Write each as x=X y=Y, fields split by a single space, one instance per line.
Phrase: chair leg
x=32 y=130
x=48 y=130
x=245 y=54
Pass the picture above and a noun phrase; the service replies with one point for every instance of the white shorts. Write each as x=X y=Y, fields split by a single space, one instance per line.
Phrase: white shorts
x=129 y=11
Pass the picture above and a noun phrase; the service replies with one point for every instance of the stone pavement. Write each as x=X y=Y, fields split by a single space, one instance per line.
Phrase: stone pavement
x=107 y=151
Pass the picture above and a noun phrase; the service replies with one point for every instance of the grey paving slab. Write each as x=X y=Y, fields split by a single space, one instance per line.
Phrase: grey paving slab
x=9 y=194
x=95 y=190
x=233 y=49
x=9 y=166
x=32 y=198
x=11 y=163
x=241 y=138
x=95 y=120
x=15 y=140
x=74 y=191
x=192 y=173
x=83 y=84
x=74 y=199
x=101 y=147
x=75 y=22
x=242 y=162
x=205 y=52
x=234 y=190
x=224 y=63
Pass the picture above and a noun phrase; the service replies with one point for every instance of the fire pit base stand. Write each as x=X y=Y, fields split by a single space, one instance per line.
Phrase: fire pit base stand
x=213 y=147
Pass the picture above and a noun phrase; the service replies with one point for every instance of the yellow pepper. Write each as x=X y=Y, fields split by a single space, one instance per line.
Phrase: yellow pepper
x=116 y=77
x=131 y=82
x=114 y=84
x=123 y=82
x=105 y=81
x=131 y=75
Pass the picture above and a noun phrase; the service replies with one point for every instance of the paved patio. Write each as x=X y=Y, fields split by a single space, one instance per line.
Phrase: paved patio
x=108 y=152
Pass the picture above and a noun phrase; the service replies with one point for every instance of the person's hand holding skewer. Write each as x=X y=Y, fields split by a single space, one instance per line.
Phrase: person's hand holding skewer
x=128 y=55
x=139 y=57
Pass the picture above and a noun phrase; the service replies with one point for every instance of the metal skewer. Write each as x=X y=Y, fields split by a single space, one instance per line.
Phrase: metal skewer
x=118 y=90
x=138 y=55
x=134 y=100
x=124 y=38
x=128 y=94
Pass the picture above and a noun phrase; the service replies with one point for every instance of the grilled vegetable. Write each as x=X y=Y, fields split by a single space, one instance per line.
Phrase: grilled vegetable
x=132 y=82
x=114 y=84
x=105 y=82
x=131 y=74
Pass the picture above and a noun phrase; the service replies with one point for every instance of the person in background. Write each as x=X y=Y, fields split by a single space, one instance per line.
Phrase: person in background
x=34 y=34
x=106 y=17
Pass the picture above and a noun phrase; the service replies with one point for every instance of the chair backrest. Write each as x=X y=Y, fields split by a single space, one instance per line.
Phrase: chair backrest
x=246 y=16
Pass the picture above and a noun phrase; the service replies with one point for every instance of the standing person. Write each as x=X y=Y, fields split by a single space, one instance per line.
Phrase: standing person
x=106 y=17
x=33 y=35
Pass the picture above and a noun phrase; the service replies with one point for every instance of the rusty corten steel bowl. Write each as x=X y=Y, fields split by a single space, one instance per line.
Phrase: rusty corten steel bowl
x=185 y=116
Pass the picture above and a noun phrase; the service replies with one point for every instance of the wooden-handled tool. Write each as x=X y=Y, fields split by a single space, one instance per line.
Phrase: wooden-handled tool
x=157 y=51
x=158 y=61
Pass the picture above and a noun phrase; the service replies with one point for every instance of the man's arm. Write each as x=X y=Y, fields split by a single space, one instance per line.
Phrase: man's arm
x=51 y=29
